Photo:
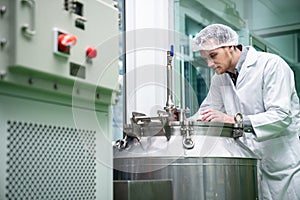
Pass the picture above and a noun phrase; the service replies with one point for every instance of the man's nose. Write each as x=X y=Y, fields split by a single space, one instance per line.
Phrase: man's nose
x=210 y=63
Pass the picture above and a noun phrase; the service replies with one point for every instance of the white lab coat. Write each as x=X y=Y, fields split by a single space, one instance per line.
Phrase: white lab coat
x=265 y=92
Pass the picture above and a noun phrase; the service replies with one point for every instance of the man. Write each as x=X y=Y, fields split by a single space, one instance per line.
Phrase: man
x=261 y=87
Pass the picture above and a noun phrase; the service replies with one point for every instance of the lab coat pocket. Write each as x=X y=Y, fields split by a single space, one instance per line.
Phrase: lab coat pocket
x=277 y=157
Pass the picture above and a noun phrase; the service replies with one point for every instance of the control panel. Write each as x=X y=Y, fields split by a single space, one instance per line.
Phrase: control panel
x=69 y=39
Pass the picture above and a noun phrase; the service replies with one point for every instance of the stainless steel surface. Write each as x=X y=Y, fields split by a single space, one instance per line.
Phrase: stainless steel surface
x=146 y=190
x=217 y=167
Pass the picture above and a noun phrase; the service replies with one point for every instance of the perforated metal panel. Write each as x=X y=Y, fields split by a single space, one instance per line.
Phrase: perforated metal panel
x=53 y=151
x=50 y=162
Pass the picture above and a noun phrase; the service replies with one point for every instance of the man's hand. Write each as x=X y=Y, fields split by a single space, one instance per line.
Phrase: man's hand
x=210 y=115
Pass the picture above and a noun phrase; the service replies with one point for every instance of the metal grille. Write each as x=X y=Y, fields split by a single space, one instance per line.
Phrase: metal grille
x=50 y=162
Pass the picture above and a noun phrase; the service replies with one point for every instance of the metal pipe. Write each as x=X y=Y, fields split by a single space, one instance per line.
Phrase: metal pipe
x=169 y=103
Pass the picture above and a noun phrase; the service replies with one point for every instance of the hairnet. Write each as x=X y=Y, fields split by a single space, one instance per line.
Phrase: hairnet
x=214 y=36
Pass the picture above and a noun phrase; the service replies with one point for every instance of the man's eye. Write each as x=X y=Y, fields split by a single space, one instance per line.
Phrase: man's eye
x=213 y=55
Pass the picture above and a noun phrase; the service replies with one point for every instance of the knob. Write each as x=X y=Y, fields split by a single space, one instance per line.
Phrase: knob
x=65 y=42
x=91 y=52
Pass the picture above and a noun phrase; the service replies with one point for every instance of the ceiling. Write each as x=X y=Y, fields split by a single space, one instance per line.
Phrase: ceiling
x=286 y=10
x=282 y=5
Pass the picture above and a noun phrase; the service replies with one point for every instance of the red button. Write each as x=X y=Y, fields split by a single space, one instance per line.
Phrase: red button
x=65 y=41
x=91 y=52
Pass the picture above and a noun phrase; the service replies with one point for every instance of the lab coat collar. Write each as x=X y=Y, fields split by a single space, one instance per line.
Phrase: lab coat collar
x=251 y=57
x=250 y=60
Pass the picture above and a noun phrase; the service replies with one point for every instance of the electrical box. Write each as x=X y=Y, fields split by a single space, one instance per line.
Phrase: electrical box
x=74 y=39
x=58 y=79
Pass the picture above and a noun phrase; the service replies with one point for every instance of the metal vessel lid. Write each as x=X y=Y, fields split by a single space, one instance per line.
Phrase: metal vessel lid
x=201 y=124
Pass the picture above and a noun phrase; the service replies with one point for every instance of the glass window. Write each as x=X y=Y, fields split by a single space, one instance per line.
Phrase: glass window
x=263 y=24
x=118 y=108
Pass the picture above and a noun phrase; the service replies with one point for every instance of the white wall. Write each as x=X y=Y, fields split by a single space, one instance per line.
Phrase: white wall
x=147 y=42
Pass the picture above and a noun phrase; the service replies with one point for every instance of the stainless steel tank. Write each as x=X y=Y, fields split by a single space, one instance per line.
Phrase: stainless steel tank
x=205 y=162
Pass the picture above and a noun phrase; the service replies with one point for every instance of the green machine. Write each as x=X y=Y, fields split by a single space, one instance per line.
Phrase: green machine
x=58 y=80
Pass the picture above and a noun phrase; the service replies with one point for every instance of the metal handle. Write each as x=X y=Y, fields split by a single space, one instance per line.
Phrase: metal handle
x=238 y=118
x=238 y=126
x=121 y=144
x=29 y=29
x=187 y=141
